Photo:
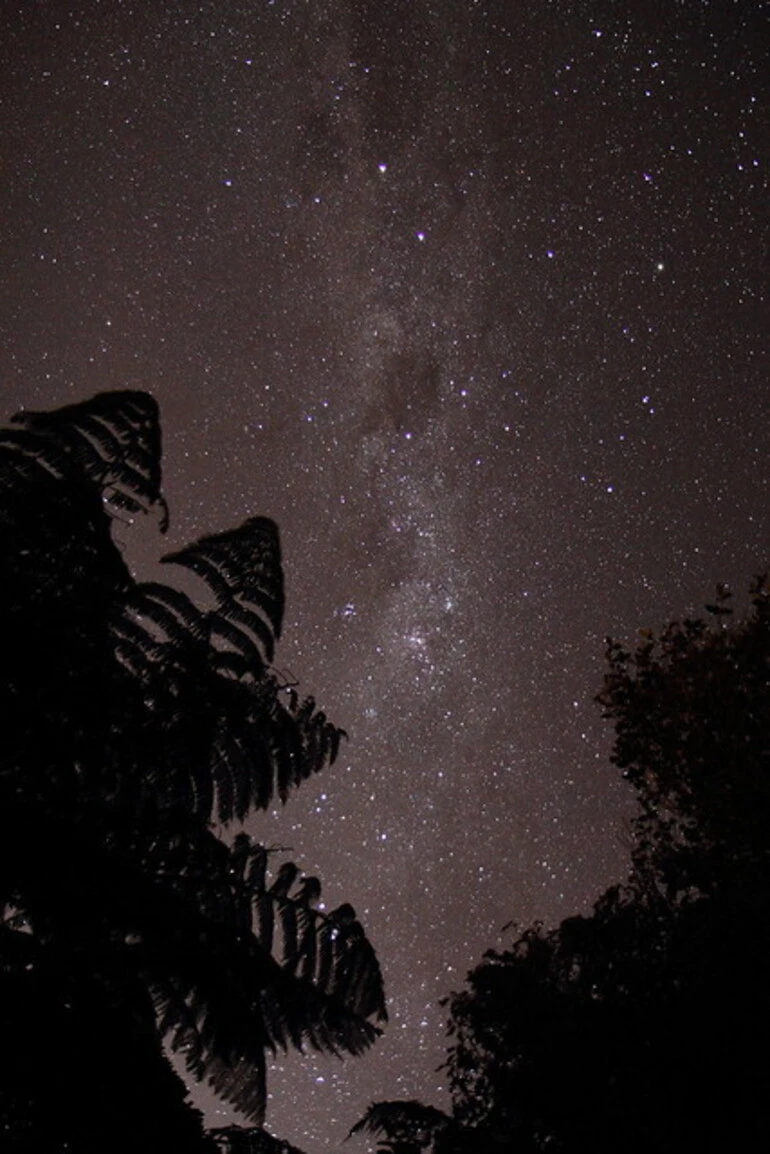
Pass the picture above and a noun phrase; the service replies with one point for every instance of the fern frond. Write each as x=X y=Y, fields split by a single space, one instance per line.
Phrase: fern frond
x=114 y=439
x=402 y=1124
x=249 y=1140
x=243 y=570
x=145 y=716
x=172 y=611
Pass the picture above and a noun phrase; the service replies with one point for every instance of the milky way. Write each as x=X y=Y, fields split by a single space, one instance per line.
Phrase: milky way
x=467 y=296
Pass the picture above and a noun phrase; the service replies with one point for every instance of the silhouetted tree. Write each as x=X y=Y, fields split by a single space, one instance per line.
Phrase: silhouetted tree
x=692 y=717
x=642 y=1027
x=133 y=719
x=409 y=1127
x=406 y=1127
x=249 y=1140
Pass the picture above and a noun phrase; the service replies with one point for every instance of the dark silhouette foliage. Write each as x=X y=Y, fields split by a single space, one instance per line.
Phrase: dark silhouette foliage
x=249 y=1140
x=134 y=719
x=405 y=1127
x=643 y=1027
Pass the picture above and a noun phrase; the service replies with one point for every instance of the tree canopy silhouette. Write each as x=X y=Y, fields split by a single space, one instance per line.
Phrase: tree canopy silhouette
x=249 y=1140
x=133 y=720
x=642 y=1027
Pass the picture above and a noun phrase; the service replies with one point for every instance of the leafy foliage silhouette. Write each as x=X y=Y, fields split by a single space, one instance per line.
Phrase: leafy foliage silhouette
x=405 y=1127
x=134 y=720
x=642 y=1027
x=249 y=1140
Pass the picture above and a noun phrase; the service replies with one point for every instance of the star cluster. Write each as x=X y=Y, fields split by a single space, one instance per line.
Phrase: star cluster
x=468 y=297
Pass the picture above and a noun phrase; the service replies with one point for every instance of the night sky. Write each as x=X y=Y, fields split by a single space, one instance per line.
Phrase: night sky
x=467 y=295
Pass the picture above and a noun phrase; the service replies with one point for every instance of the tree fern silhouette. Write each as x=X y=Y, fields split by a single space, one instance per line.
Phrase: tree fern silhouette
x=134 y=719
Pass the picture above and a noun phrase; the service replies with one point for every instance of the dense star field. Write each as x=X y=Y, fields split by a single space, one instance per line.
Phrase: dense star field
x=468 y=297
